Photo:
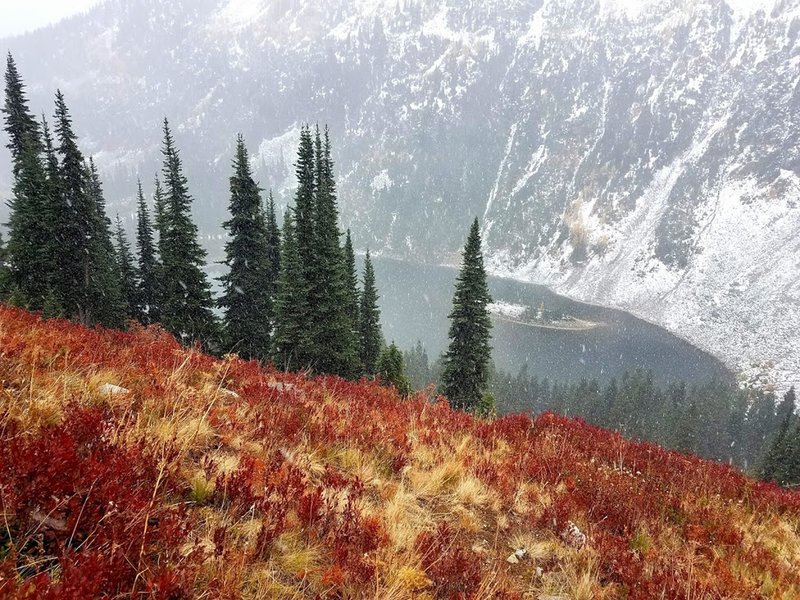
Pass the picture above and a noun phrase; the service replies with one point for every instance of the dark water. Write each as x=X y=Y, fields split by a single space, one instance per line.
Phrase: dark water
x=416 y=299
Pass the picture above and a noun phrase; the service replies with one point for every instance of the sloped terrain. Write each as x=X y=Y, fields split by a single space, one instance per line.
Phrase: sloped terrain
x=130 y=465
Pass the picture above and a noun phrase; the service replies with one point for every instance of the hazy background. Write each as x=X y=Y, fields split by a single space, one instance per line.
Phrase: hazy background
x=20 y=16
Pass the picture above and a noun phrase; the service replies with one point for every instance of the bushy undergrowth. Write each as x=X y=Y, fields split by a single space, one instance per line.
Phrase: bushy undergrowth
x=221 y=479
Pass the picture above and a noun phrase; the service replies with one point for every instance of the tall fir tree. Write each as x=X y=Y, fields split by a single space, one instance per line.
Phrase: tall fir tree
x=777 y=462
x=104 y=291
x=56 y=224
x=29 y=239
x=20 y=124
x=246 y=286
x=466 y=372
x=127 y=273
x=291 y=342
x=88 y=284
x=369 y=329
x=334 y=342
x=304 y=204
x=187 y=303
x=273 y=245
x=148 y=295
x=351 y=284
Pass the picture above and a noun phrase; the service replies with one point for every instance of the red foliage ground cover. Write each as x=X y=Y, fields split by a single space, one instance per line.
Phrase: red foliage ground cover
x=96 y=502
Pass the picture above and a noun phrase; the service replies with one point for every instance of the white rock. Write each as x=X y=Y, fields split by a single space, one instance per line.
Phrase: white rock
x=112 y=390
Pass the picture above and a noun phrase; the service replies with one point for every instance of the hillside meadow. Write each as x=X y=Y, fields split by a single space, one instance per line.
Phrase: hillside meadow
x=132 y=466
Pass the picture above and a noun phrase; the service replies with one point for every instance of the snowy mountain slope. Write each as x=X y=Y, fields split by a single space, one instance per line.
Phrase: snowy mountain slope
x=638 y=154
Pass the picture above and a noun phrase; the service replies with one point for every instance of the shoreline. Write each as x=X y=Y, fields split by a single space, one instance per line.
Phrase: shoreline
x=573 y=325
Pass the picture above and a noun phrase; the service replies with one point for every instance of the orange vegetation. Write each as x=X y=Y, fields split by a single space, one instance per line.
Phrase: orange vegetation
x=208 y=478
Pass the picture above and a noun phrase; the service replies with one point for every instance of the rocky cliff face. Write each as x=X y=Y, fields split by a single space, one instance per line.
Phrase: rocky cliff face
x=637 y=154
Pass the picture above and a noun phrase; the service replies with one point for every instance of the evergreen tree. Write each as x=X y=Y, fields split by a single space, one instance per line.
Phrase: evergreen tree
x=57 y=224
x=389 y=370
x=467 y=359
x=334 y=348
x=291 y=340
x=417 y=366
x=369 y=328
x=187 y=303
x=273 y=246
x=104 y=293
x=160 y=211
x=4 y=275
x=776 y=464
x=127 y=273
x=73 y=279
x=246 y=296
x=29 y=270
x=351 y=284
x=20 y=124
x=304 y=203
x=148 y=297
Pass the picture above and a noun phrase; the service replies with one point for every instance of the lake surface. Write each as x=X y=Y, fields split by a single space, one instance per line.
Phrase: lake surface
x=415 y=300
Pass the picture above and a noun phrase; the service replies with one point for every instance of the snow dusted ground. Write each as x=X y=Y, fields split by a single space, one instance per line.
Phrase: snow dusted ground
x=739 y=298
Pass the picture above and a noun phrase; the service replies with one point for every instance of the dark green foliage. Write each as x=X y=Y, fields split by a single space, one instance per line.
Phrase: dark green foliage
x=273 y=245
x=29 y=241
x=466 y=372
x=52 y=308
x=20 y=125
x=187 y=303
x=389 y=370
x=159 y=205
x=4 y=274
x=351 y=284
x=127 y=273
x=718 y=421
x=56 y=222
x=77 y=222
x=369 y=328
x=780 y=462
x=247 y=285
x=291 y=340
x=304 y=204
x=417 y=367
x=104 y=294
x=148 y=298
x=334 y=348
x=487 y=406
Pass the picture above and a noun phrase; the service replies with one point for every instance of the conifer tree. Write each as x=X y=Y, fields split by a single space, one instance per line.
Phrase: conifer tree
x=4 y=283
x=390 y=370
x=304 y=201
x=776 y=464
x=369 y=322
x=291 y=342
x=246 y=296
x=351 y=284
x=148 y=297
x=160 y=210
x=273 y=245
x=187 y=303
x=73 y=279
x=28 y=236
x=467 y=359
x=127 y=273
x=334 y=347
x=104 y=292
x=54 y=216
x=20 y=124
